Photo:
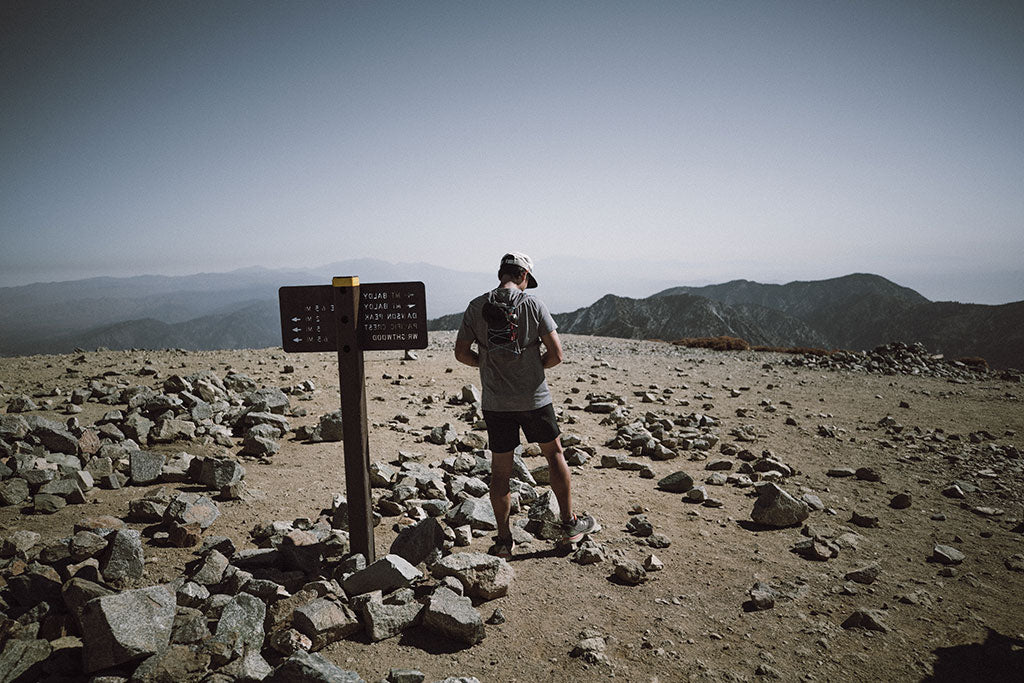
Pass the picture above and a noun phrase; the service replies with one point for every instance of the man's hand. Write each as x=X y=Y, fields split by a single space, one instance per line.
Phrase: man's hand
x=553 y=355
x=465 y=354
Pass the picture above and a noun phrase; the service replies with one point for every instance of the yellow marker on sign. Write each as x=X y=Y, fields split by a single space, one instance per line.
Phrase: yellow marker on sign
x=345 y=282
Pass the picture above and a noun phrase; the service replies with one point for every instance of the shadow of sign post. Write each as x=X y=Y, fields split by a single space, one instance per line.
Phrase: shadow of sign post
x=350 y=318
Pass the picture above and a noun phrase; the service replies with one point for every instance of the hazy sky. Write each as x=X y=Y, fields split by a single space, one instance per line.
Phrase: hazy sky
x=772 y=141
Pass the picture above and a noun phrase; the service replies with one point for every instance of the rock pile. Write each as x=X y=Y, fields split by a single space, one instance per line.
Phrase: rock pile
x=262 y=613
x=49 y=464
x=255 y=614
x=892 y=359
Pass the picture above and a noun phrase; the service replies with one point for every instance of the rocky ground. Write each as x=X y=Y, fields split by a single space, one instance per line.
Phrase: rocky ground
x=885 y=544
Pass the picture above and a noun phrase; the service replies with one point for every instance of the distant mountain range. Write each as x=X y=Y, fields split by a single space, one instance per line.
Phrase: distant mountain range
x=857 y=312
x=240 y=310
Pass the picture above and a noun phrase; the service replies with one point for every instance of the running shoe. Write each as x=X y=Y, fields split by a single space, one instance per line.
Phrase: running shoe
x=577 y=528
x=502 y=548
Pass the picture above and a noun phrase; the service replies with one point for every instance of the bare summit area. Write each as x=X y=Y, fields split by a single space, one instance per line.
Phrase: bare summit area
x=762 y=516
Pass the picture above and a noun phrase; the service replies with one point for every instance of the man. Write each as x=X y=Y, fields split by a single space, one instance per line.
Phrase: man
x=508 y=327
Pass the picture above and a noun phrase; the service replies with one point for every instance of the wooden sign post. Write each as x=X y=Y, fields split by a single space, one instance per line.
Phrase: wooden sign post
x=349 y=319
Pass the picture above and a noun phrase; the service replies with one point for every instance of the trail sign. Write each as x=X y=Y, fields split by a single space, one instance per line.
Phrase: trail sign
x=307 y=318
x=392 y=315
x=349 y=318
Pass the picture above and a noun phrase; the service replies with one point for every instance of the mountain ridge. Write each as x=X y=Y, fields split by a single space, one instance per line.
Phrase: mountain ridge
x=239 y=309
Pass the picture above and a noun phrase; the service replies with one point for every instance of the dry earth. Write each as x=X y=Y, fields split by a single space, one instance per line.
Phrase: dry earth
x=687 y=621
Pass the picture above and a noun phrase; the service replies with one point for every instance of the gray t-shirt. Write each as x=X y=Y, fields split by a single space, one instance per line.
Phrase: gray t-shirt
x=507 y=325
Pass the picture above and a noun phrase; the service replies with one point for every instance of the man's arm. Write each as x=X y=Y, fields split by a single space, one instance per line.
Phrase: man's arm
x=553 y=355
x=464 y=353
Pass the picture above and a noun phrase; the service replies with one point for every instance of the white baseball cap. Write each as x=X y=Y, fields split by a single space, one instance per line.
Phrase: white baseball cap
x=515 y=258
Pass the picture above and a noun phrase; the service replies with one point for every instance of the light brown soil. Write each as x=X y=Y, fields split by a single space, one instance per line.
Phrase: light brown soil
x=687 y=621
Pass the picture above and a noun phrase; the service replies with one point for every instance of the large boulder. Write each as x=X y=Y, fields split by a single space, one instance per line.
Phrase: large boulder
x=241 y=623
x=127 y=626
x=421 y=542
x=481 y=575
x=325 y=621
x=310 y=667
x=386 y=574
x=454 y=617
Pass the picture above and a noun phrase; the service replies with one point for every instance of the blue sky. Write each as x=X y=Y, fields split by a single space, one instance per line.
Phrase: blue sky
x=772 y=141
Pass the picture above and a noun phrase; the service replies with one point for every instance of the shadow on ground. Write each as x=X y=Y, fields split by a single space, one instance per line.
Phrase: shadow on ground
x=999 y=658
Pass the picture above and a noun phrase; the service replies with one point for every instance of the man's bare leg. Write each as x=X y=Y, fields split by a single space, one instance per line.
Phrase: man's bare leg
x=558 y=474
x=501 y=498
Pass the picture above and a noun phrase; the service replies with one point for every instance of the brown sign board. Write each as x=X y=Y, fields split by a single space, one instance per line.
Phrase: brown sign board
x=307 y=318
x=392 y=315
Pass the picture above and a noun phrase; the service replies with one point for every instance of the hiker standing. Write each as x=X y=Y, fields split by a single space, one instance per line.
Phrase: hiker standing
x=508 y=326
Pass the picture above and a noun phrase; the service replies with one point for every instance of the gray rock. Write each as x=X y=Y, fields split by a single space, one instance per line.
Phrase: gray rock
x=259 y=446
x=216 y=473
x=629 y=572
x=145 y=467
x=864 y=575
x=639 y=525
x=544 y=518
x=481 y=575
x=762 y=597
x=443 y=435
x=589 y=552
x=864 y=521
x=176 y=663
x=310 y=667
x=53 y=436
x=241 y=623
x=271 y=398
x=123 y=559
x=209 y=570
x=841 y=472
x=813 y=501
x=901 y=501
x=816 y=548
x=324 y=621
x=330 y=427
x=384 y=620
x=19 y=543
x=188 y=508
x=126 y=626
x=137 y=428
x=870 y=619
x=14 y=491
x=168 y=431
x=868 y=474
x=251 y=666
x=454 y=617
x=13 y=427
x=677 y=482
x=190 y=626
x=24 y=660
x=385 y=575
x=421 y=542
x=947 y=555
x=476 y=512
x=776 y=508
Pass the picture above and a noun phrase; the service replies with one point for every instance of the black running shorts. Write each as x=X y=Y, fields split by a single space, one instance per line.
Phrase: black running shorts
x=539 y=425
